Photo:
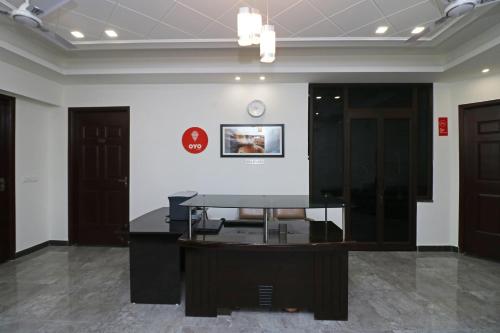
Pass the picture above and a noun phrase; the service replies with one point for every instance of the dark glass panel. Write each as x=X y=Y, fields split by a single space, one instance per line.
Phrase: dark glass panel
x=380 y=96
x=424 y=143
x=396 y=179
x=364 y=179
x=327 y=168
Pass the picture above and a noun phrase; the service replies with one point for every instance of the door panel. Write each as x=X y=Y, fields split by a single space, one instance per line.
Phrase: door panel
x=7 y=193
x=480 y=180
x=100 y=175
x=363 y=211
x=396 y=195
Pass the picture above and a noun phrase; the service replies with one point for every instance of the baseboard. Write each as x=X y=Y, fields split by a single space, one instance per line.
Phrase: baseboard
x=437 y=248
x=40 y=246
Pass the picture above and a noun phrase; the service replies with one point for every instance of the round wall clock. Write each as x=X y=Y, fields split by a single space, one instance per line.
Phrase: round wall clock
x=256 y=108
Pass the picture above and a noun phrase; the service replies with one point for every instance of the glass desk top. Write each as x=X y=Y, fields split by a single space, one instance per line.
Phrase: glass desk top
x=260 y=201
x=283 y=233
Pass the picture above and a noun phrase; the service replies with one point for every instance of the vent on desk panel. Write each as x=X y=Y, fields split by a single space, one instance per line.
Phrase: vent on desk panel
x=265 y=296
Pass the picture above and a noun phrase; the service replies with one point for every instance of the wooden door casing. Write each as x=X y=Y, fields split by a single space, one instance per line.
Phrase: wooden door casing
x=7 y=178
x=480 y=179
x=99 y=175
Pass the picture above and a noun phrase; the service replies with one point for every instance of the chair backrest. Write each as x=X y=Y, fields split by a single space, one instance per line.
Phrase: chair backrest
x=251 y=213
x=290 y=213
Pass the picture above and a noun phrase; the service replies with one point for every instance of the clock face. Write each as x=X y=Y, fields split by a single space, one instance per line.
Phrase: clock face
x=256 y=108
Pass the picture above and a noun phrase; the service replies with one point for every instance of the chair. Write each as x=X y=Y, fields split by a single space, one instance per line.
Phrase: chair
x=289 y=214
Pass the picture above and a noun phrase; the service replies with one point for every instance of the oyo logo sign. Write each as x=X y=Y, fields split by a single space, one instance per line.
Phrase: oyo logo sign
x=195 y=140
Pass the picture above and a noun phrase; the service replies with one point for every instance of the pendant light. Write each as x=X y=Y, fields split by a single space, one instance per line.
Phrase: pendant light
x=267 y=41
x=249 y=26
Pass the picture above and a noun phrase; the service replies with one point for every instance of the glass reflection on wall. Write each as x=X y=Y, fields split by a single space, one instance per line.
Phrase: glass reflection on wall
x=327 y=171
x=364 y=179
x=397 y=179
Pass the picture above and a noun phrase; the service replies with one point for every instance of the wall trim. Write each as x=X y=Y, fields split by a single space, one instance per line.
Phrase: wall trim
x=40 y=246
x=437 y=248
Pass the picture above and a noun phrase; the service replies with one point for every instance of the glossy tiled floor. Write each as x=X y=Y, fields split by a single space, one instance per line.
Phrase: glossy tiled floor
x=85 y=289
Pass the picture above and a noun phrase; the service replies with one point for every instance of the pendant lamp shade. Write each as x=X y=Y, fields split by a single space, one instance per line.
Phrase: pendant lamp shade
x=267 y=44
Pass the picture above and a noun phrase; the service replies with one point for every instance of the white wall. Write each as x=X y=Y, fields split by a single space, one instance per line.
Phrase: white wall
x=437 y=222
x=32 y=173
x=160 y=114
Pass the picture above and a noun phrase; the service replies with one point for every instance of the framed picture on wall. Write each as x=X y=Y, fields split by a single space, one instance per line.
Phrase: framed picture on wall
x=252 y=140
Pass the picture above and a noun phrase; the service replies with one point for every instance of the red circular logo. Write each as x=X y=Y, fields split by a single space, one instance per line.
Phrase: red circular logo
x=195 y=140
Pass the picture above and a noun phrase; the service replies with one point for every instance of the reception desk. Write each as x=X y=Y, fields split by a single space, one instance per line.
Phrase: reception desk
x=286 y=264
x=268 y=265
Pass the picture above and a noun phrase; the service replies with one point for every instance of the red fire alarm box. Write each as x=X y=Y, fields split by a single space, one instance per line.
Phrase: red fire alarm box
x=443 y=126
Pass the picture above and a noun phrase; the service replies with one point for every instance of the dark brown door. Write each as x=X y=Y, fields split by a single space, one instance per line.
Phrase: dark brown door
x=480 y=179
x=99 y=175
x=7 y=193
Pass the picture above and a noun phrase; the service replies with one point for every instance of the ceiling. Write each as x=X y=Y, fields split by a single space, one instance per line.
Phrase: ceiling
x=188 y=21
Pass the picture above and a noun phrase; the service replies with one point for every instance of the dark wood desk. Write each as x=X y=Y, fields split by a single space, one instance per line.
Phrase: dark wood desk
x=306 y=267
x=155 y=258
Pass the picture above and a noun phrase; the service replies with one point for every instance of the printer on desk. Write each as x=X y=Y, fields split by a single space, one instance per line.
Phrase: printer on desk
x=178 y=212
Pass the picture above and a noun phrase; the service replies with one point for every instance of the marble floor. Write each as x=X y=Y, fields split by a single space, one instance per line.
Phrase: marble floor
x=85 y=289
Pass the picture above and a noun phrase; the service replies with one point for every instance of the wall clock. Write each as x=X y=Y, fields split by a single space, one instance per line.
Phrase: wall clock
x=256 y=108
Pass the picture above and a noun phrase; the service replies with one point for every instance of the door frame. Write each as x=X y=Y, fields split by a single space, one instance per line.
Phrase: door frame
x=11 y=177
x=461 y=154
x=72 y=175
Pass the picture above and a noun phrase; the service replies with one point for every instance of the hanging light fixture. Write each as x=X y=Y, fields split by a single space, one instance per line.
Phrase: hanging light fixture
x=252 y=32
x=267 y=44
x=249 y=26
x=267 y=41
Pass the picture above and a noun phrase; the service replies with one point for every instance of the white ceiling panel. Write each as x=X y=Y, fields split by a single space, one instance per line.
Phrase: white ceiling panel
x=212 y=8
x=417 y=15
x=216 y=19
x=324 y=28
x=356 y=16
x=153 y=8
x=163 y=31
x=186 y=19
x=331 y=7
x=275 y=6
x=132 y=21
x=98 y=9
x=73 y=21
x=369 y=29
x=217 y=30
x=294 y=19
x=389 y=7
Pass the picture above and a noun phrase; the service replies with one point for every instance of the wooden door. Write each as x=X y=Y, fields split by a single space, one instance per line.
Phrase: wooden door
x=99 y=176
x=7 y=193
x=480 y=179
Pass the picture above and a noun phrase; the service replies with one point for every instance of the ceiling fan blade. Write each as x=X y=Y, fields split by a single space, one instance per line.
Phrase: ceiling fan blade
x=48 y=6
x=428 y=30
x=54 y=38
x=3 y=12
x=8 y=5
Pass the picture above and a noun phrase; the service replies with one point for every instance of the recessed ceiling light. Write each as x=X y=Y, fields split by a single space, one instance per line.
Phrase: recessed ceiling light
x=337 y=97
x=486 y=70
x=262 y=78
x=77 y=34
x=237 y=78
x=381 y=30
x=111 y=33
x=417 y=30
x=318 y=97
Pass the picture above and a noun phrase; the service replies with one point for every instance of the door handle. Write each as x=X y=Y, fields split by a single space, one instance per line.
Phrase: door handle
x=2 y=185
x=123 y=181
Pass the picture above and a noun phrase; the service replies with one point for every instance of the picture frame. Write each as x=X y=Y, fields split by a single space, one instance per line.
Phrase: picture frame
x=252 y=140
